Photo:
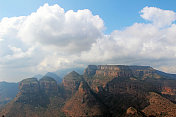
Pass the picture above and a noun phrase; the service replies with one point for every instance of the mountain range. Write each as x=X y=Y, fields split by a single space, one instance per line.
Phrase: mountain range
x=102 y=91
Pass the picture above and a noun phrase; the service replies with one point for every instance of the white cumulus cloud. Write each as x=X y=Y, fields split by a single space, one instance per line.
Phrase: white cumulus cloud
x=67 y=31
x=158 y=17
x=51 y=39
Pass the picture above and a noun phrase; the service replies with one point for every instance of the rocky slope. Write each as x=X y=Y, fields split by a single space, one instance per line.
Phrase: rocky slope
x=103 y=90
x=85 y=102
x=159 y=106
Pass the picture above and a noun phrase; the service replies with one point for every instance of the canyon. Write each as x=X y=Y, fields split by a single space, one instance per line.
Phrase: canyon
x=102 y=91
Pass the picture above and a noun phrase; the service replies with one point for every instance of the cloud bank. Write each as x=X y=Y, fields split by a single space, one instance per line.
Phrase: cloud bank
x=51 y=39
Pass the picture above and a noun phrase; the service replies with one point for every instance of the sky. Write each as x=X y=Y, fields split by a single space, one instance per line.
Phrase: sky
x=39 y=36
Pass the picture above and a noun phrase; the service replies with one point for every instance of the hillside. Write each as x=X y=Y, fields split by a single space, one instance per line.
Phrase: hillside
x=7 y=92
x=160 y=106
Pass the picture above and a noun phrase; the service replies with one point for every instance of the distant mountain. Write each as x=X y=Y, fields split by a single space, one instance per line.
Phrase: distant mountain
x=8 y=91
x=63 y=72
x=53 y=75
x=103 y=90
x=49 y=74
x=59 y=74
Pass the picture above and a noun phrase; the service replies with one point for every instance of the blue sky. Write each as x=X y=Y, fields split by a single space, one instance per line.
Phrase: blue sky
x=40 y=36
x=116 y=14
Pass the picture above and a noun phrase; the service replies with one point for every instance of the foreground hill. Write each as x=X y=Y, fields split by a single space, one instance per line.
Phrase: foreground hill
x=103 y=90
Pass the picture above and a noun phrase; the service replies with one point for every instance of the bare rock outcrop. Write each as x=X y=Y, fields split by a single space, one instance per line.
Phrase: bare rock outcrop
x=30 y=85
x=132 y=112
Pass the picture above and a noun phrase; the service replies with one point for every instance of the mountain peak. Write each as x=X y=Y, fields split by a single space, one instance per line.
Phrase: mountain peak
x=29 y=85
x=48 y=85
x=29 y=80
x=47 y=78
x=72 y=81
x=72 y=76
x=73 y=73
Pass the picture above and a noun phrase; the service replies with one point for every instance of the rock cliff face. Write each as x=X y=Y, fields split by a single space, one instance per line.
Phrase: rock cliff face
x=114 y=82
x=48 y=85
x=90 y=71
x=102 y=74
x=29 y=86
x=144 y=72
x=113 y=71
x=108 y=71
x=30 y=93
x=141 y=72
x=45 y=85
x=72 y=81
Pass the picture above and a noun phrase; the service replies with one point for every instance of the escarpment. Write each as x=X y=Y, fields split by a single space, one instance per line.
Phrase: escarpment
x=142 y=72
